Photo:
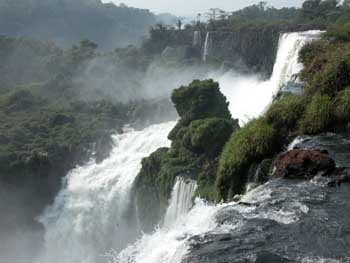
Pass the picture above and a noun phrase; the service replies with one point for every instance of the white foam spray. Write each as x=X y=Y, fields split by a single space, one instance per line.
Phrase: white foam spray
x=207 y=46
x=89 y=216
x=197 y=39
x=181 y=200
x=248 y=95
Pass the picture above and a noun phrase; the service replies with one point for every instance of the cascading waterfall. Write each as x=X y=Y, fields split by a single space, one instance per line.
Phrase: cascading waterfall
x=181 y=200
x=197 y=39
x=248 y=95
x=287 y=65
x=89 y=216
x=207 y=46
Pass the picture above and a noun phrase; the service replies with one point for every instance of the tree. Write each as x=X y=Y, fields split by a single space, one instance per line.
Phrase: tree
x=179 y=24
x=310 y=8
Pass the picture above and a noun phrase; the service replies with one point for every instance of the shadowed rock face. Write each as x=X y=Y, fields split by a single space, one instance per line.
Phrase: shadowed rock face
x=301 y=163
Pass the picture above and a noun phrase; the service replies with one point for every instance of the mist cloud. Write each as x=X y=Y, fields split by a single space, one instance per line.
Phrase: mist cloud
x=192 y=7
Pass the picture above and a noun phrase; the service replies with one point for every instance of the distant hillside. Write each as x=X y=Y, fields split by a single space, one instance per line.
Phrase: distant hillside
x=69 y=21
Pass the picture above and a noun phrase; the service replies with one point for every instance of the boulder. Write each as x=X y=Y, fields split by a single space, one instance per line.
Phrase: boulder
x=303 y=164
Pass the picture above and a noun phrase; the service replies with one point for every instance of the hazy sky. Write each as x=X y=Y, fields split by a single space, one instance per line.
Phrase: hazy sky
x=190 y=7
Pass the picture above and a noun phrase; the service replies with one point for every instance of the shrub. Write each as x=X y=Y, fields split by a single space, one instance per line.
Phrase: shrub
x=342 y=107
x=311 y=51
x=209 y=135
x=339 y=31
x=252 y=143
x=285 y=112
x=327 y=70
x=199 y=100
x=317 y=117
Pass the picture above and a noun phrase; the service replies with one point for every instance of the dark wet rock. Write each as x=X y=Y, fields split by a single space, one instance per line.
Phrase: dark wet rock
x=338 y=146
x=303 y=164
x=339 y=176
x=259 y=174
x=318 y=232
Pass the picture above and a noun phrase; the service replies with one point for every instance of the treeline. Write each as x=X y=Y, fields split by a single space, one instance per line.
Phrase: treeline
x=315 y=11
x=317 y=14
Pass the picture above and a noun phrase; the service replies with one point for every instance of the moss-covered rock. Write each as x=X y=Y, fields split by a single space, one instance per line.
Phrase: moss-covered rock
x=197 y=141
x=254 y=142
x=199 y=100
x=208 y=136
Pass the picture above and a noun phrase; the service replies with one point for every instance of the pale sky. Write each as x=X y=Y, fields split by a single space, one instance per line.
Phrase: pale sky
x=191 y=7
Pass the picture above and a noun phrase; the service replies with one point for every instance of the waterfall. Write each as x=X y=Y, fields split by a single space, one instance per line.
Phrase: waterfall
x=249 y=95
x=207 y=46
x=168 y=244
x=181 y=200
x=197 y=39
x=90 y=214
x=287 y=65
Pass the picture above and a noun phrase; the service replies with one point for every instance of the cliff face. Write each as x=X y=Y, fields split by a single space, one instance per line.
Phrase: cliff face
x=251 y=48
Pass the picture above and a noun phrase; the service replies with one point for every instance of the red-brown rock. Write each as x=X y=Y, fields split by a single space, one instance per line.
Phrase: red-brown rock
x=303 y=164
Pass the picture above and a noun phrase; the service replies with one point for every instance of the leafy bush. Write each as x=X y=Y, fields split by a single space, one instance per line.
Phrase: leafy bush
x=208 y=135
x=339 y=31
x=342 y=107
x=252 y=143
x=285 y=112
x=327 y=67
x=317 y=117
x=199 y=100
x=312 y=51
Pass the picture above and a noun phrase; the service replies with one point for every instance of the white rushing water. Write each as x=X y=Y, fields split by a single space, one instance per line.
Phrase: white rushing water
x=248 y=95
x=86 y=220
x=197 y=39
x=181 y=200
x=207 y=46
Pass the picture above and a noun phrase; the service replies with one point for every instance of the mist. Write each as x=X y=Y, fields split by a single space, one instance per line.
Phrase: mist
x=192 y=7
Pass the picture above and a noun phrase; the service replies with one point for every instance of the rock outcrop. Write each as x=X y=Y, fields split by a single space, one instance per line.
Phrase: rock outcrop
x=197 y=141
x=303 y=164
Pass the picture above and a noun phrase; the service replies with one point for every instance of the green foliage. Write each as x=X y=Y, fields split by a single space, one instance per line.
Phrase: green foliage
x=255 y=141
x=321 y=10
x=32 y=127
x=199 y=100
x=318 y=116
x=208 y=136
x=327 y=69
x=340 y=31
x=341 y=106
x=285 y=112
x=311 y=51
